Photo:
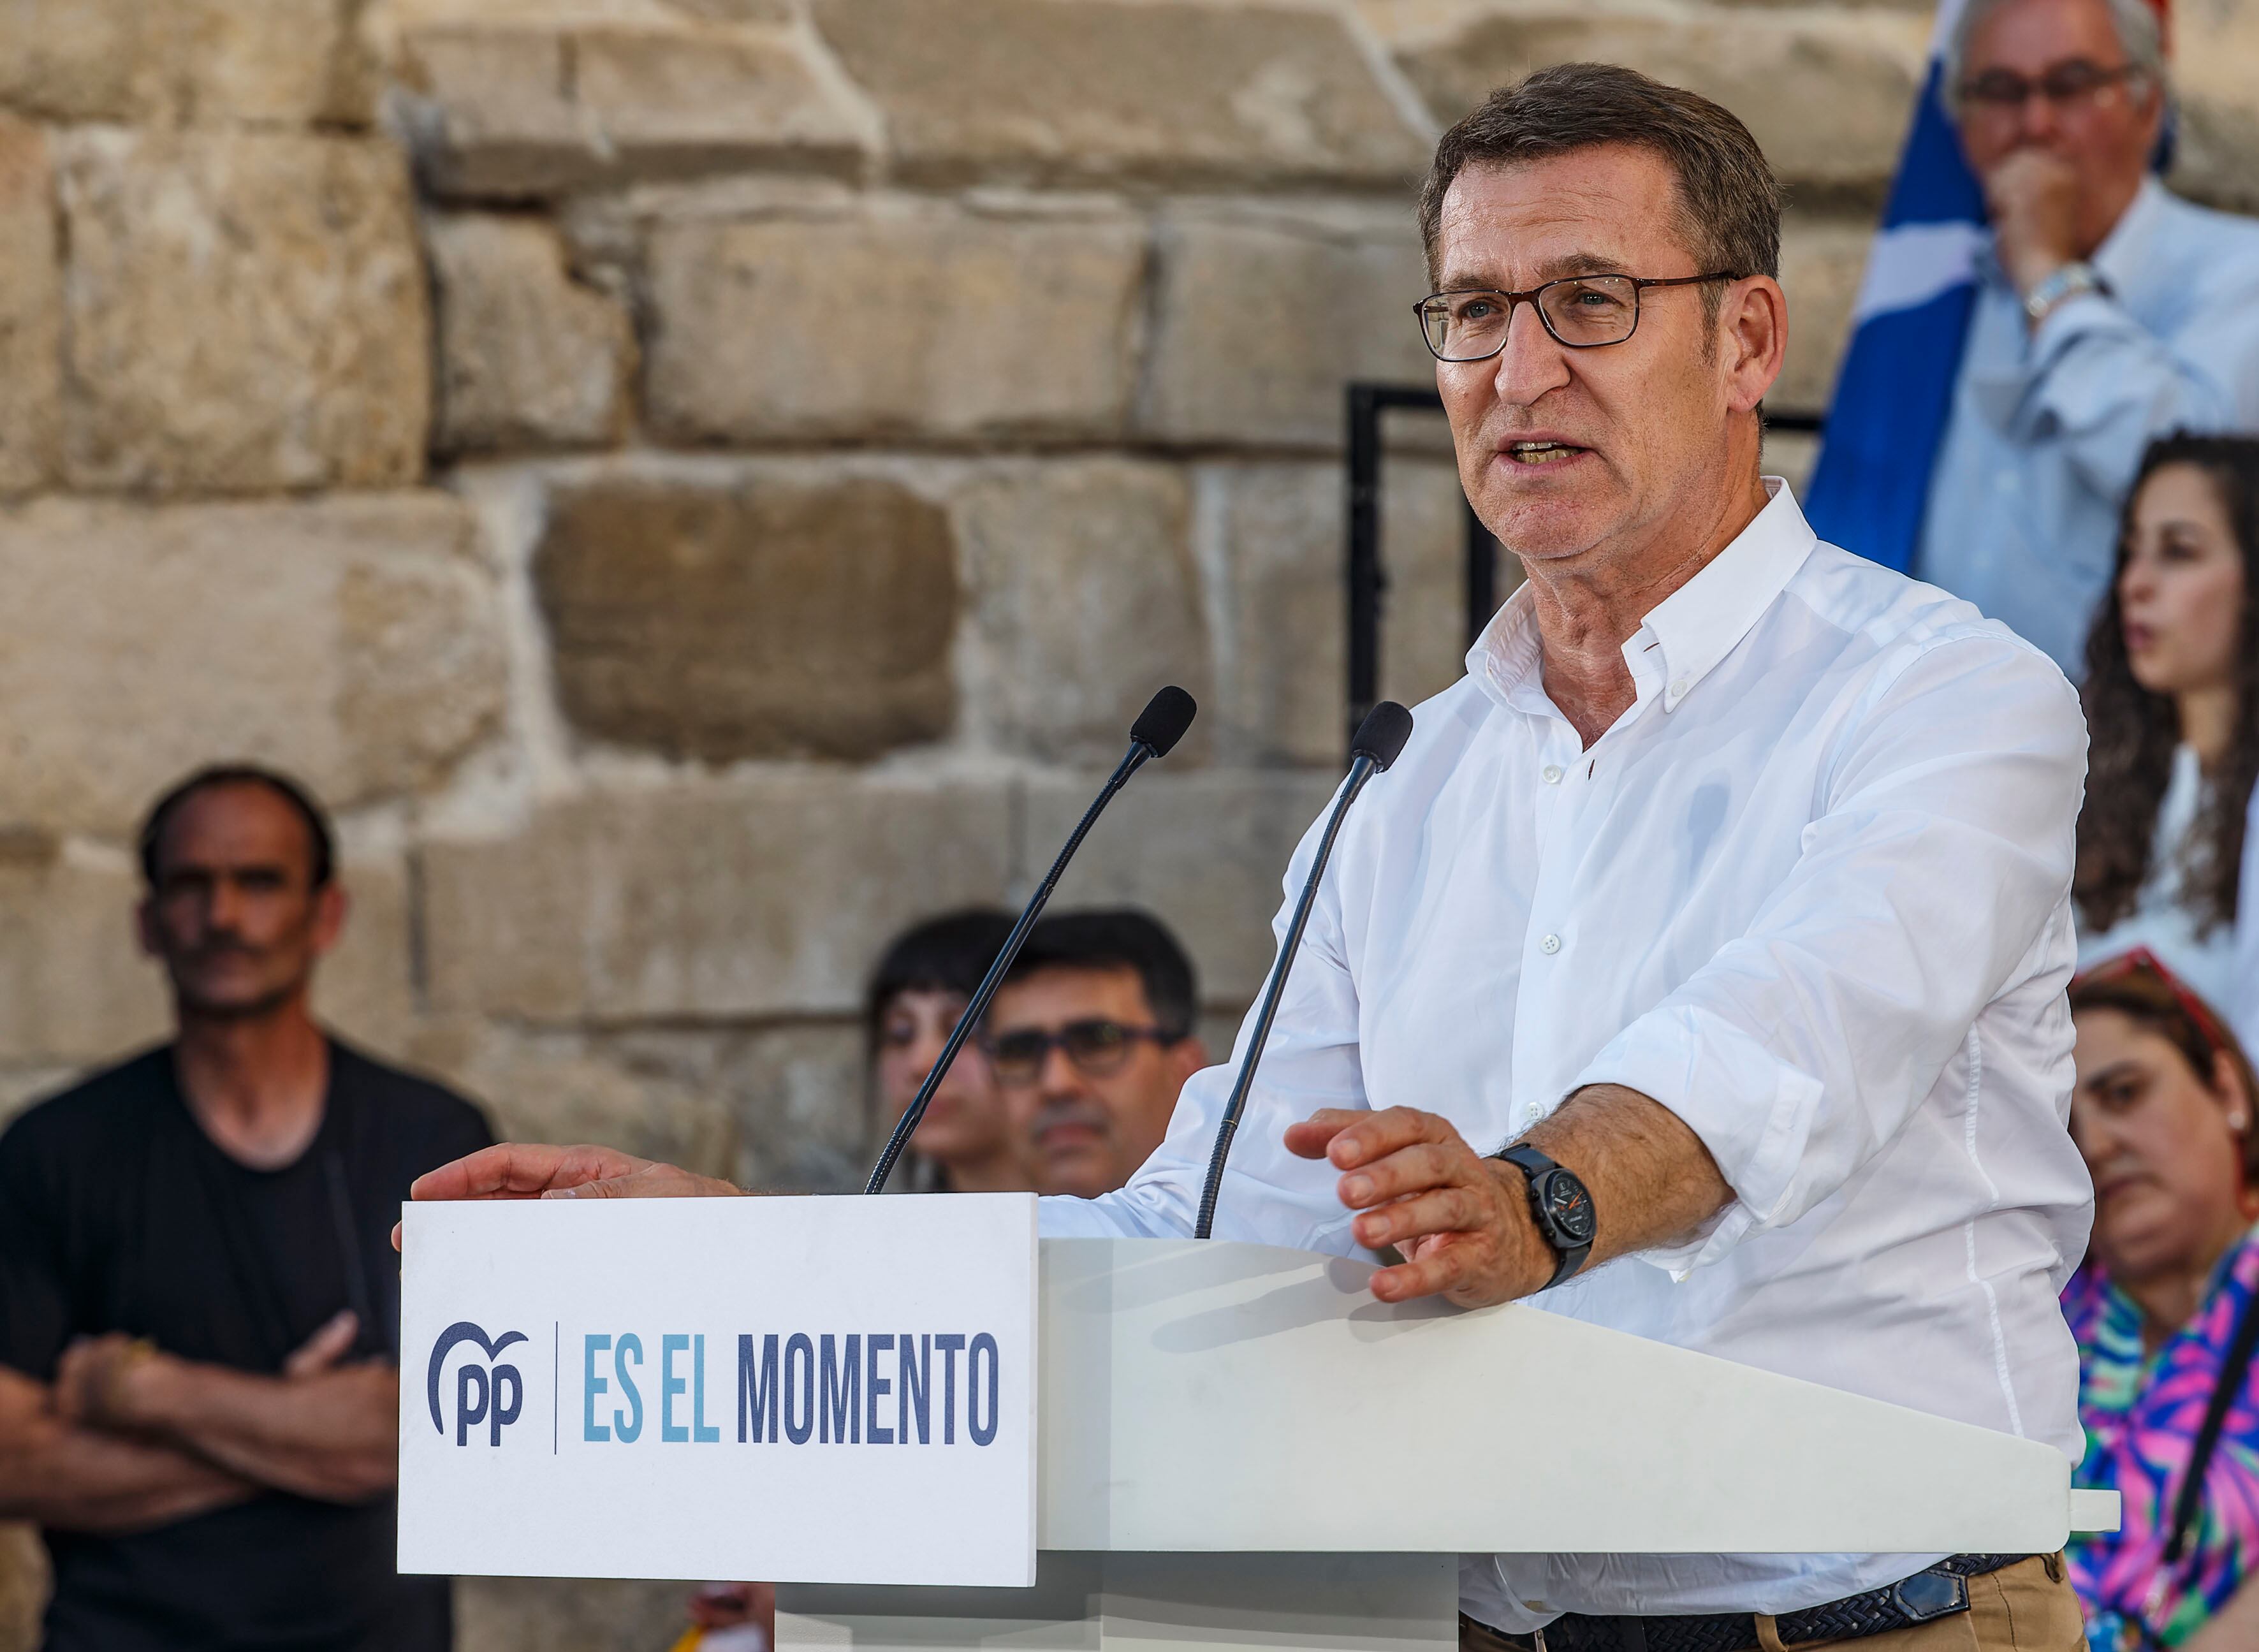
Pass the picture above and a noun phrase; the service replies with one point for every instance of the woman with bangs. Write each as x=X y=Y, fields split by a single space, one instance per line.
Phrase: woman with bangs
x=2161 y=1310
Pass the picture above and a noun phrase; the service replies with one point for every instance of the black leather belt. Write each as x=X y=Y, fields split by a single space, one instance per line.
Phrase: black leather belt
x=1937 y=1592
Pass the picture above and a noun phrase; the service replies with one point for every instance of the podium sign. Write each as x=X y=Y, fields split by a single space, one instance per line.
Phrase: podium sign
x=795 y=1389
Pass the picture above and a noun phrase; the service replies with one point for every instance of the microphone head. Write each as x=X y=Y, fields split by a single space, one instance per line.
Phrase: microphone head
x=1382 y=735
x=1164 y=719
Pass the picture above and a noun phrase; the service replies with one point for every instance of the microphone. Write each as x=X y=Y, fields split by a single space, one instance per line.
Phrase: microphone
x=1159 y=726
x=1377 y=743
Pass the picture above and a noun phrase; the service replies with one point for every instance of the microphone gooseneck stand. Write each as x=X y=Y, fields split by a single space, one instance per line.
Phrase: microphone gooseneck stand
x=1379 y=739
x=1158 y=728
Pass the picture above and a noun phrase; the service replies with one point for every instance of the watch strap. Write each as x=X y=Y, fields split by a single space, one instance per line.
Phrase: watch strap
x=1534 y=1166
x=2059 y=286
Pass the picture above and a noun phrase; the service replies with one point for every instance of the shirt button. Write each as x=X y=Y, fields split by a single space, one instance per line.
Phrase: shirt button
x=1550 y=945
x=1678 y=688
x=1552 y=774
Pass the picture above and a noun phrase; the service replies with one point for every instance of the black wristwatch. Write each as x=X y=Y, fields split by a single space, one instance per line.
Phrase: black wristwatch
x=1560 y=1205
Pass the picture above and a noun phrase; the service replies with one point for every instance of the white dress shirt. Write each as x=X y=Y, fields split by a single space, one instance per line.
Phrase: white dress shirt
x=2048 y=427
x=2163 y=919
x=1811 y=893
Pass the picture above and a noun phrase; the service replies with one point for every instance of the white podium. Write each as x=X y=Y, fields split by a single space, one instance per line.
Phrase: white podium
x=1197 y=1490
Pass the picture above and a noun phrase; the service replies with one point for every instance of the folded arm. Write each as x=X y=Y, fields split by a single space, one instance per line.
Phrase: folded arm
x=74 y=1478
x=321 y=1429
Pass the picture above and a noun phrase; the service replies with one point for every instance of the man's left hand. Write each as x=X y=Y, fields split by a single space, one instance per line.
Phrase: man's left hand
x=1462 y=1221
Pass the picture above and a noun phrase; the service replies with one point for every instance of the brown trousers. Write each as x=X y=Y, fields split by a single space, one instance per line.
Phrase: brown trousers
x=2025 y=1607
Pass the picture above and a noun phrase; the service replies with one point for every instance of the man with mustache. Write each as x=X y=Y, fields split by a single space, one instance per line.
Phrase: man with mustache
x=199 y=1308
x=1091 y=1039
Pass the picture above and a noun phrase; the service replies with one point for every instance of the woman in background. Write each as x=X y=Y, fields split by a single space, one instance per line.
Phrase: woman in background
x=2172 y=714
x=927 y=975
x=2162 y=1109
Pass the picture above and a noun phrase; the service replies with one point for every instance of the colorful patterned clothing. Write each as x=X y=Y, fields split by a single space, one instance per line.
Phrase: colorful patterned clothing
x=2141 y=1413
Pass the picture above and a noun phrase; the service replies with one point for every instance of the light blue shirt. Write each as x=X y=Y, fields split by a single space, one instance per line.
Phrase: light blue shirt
x=2048 y=427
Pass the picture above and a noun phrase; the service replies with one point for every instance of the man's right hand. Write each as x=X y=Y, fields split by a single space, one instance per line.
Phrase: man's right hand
x=2032 y=199
x=523 y=1169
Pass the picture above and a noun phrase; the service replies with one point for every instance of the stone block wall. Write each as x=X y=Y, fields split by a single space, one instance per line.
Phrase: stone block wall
x=699 y=483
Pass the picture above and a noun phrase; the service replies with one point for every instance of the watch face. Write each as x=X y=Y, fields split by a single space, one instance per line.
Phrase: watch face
x=1571 y=1207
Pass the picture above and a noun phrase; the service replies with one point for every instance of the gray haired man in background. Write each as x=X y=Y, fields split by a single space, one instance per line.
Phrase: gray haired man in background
x=2108 y=312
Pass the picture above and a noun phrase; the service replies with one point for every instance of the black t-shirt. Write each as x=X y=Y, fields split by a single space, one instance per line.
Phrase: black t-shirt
x=119 y=1213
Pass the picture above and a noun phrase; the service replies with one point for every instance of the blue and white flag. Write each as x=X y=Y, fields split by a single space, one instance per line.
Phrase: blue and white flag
x=1895 y=390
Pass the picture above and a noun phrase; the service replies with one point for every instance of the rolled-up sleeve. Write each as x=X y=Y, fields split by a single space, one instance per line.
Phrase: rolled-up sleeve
x=2105 y=386
x=1268 y=1195
x=1940 y=851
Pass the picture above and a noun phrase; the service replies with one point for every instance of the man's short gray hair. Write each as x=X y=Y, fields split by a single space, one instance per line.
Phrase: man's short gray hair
x=2136 y=22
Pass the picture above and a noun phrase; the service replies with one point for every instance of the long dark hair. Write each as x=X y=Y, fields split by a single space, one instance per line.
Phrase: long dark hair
x=2131 y=733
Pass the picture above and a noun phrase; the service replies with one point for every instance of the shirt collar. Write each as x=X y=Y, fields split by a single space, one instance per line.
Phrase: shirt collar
x=1693 y=628
x=2119 y=259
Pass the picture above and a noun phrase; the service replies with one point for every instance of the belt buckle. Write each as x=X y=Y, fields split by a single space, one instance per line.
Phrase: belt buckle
x=1930 y=1595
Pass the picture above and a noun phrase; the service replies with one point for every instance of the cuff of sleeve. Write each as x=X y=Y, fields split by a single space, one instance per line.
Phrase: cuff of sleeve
x=1752 y=1109
x=2069 y=321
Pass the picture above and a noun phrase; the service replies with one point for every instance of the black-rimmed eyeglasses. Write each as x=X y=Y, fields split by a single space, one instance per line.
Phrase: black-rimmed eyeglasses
x=1098 y=1047
x=1582 y=312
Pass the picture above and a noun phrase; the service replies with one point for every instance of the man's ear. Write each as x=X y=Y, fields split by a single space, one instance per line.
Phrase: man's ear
x=1753 y=342
x=331 y=905
x=1188 y=1055
x=145 y=926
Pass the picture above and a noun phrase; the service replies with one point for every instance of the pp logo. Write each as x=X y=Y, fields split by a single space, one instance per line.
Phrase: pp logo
x=489 y=1393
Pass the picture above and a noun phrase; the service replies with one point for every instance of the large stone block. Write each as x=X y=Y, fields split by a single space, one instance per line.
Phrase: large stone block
x=528 y=356
x=1171 y=93
x=751 y=898
x=74 y=989
x=366 y=989
x=355 y=641
x=1827 y=94
x=1273 y=542
x=1823 y=262
x=31 y=312
x=246 y=312
x=776 y=618
x=554 y=1614
x=906 y=321
x=509 y=111
x=797 y=1092
x=209 y=61
x=2216 y=74
x=1084 y=599
x=283 y=62
x=1264 y=317
x=1206 y=853
x=555 y=1088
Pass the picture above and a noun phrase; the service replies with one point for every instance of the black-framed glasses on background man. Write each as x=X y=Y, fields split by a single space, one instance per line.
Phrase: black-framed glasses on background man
x=1582 y=312
x=1097 y=1047
x=2005 y=92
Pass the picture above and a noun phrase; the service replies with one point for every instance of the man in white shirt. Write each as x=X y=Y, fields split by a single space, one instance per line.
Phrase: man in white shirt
x=1732 y=881
x=2108 y=312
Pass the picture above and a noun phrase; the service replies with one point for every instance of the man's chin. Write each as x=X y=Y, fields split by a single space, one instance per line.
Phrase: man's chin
x=223 y=1004
x=1081 y=1173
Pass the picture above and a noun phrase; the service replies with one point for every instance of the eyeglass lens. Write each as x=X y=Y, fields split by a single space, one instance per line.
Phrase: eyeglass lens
x=1579 y=311
x=2064 y=83
x=1096 y=1047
